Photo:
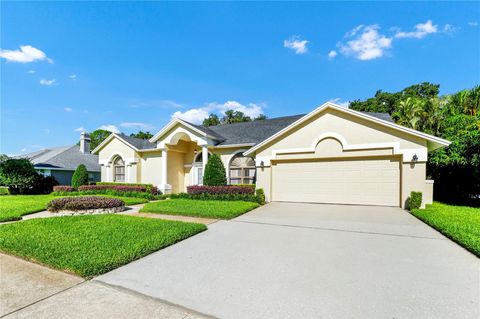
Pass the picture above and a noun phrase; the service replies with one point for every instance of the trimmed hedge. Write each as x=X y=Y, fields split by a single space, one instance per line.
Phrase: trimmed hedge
x=217 y=190
x=206 y=196
x=415 y=200
x=118 y=188
x=260 y=194
x=149 y=187
x=110 y=192
x=83 y=203
x=63 y=188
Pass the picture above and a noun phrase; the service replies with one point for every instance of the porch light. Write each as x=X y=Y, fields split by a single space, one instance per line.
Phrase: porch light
x=415 y=157
x=262 y=164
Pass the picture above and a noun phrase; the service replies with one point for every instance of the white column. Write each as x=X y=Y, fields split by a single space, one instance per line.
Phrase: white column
x=164 y=166
x=164 y=187
x=204 y=157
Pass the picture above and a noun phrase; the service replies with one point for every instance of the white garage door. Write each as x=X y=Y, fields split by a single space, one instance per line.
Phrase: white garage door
x=364 y=182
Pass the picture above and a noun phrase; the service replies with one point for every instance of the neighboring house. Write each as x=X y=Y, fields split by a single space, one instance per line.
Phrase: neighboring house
x=61 y=162
x=330 y=155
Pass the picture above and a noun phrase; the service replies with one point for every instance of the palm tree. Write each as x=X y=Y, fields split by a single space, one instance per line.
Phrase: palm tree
x=408 y=112
x=473 y=101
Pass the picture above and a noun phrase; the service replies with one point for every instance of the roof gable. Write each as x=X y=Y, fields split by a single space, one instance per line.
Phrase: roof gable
x=433 y=141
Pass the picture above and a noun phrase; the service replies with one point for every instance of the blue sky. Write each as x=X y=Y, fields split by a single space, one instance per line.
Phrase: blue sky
x=129 y=66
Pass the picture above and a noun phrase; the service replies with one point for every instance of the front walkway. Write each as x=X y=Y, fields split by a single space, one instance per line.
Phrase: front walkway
x=132 y=210
x=287 y=260
x=28 y=290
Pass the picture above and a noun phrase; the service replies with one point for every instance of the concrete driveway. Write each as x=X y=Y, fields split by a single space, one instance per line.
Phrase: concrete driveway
x=313 y=261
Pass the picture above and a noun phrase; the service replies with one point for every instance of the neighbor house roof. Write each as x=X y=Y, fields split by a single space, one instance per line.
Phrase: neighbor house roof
x=65 y=157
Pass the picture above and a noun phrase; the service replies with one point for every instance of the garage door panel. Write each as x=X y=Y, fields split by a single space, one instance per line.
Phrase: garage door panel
x=367 y=182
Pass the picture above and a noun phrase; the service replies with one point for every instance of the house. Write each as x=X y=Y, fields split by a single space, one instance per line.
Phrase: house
x=61 y=162
x=330 y=155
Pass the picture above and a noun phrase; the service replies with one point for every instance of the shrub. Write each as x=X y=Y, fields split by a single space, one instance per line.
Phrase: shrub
x=201 y=189
x=214 y=172
x=118 y=188
x=260 y=194
x=84 y=203
x=148 y=187
x=43 y=185
x=18 y=174
x=80 y=177
x=111 y=192
x=207 y=196
x=63 y=188
x=4 y=190
x=415 y=200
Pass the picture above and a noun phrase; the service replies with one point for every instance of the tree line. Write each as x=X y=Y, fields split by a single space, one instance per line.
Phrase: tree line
x=454 y=117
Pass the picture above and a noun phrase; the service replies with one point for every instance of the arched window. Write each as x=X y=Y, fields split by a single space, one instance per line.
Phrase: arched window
x=198 y=169
x=242 y=170
x=118 y=170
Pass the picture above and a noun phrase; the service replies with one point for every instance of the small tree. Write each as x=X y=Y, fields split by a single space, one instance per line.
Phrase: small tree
x=18 y=174
x=80 y=177
x=214 y=172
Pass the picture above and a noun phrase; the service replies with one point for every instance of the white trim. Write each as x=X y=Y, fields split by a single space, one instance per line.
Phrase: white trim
x=235 y=145
x=438 y=142
x=109 y=138
x=172 y=123
x=395 y=146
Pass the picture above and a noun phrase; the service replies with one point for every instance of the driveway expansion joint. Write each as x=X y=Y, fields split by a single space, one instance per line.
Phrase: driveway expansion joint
x=335 y=229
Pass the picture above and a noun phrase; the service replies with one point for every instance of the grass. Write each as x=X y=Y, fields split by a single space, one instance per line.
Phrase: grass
x=460 y=223
x=91 y=245
x=13 y=207
x=200 y=208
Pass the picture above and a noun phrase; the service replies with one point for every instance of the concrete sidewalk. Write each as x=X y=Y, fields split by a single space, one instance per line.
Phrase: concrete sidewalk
x=28 y=290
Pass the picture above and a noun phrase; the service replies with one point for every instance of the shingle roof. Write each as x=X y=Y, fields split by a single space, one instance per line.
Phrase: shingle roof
x=256 y=131
x=66 y=157
x=137 y=142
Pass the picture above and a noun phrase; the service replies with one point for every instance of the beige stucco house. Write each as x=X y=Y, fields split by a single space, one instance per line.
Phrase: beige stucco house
x=330 y=155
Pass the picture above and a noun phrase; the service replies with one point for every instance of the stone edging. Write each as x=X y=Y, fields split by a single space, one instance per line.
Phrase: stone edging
x=90 y=211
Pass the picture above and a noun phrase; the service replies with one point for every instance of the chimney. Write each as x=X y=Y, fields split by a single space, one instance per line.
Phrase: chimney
x=84 y=143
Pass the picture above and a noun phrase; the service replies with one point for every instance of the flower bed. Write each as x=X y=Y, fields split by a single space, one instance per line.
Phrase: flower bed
x=63 y=188
x=217 y=190
x=85 y=205
x=148 y=187
x=119 y=188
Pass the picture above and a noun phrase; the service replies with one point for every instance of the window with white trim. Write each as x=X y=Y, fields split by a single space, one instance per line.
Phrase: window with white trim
x=118 y=170
x=242 y=170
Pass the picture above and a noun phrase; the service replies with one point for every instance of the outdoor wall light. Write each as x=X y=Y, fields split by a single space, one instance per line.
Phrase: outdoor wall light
x=415 y=157
x=262 y=164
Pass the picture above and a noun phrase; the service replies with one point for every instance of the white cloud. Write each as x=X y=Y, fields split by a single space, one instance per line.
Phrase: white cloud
x=67 y=109
x=332 y=54
x=31 y=71
x=46 y=131
x=73 y=77
x=294 y=43
x=473 y=23
x=194 y=116
x=197 y=115
x=420 y=31
x=25 y=54
x=48 y=82
x=80 y=129
x=110 y=128
x=339 y=101
x=139 y=125
x=366 y=43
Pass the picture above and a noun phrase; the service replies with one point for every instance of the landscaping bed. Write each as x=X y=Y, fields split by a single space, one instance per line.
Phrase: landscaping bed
x=13 y=207
x=460 y=223
x=91 y=245
x=200 y=208
x=81 y=205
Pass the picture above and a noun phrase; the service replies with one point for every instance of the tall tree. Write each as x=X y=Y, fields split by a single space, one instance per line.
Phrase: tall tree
x=143 y=135
x=97 y=137
x=211 y=120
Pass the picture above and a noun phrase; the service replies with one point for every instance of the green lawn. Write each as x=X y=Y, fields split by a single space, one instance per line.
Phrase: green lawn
x=91 y=245
x=13 y=207
x=460 y=223
x=200 y=208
